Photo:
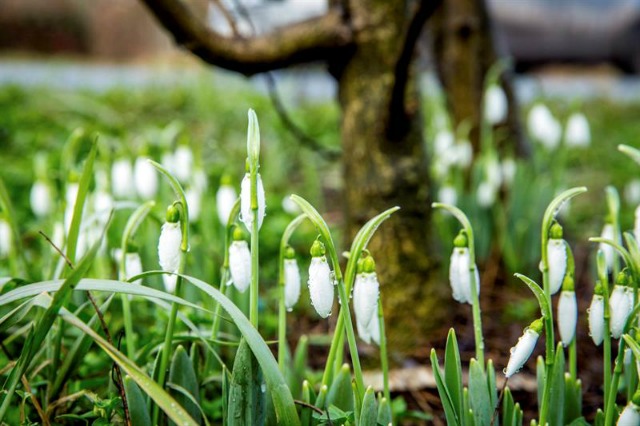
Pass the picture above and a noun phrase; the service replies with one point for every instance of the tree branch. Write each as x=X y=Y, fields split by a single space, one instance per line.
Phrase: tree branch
x=397 y=111
x=312 y=40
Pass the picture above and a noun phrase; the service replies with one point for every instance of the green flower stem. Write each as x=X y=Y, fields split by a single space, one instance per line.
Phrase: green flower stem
x=612 y=392
x=573 y=359
x=604 y=281
x=384 y=361
x=351 y=339
x=128 y=326
x=613 y=207
x=255 y=258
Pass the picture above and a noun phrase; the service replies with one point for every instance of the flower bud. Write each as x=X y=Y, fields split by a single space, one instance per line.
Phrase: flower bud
x=41 y=199
x=169 y=247
x=291 y=279
x=194 y=201
x=253 y=140
x=365 y=298
x=567 y=316
x=246 y=213
x=596 y=317
x=521 y=352
x=145 y=178
x=240 y=262
x=630 y=416
x=543 y=127
x=320 y=281
x=225 y=199
x=620 y=309
x=557 y=258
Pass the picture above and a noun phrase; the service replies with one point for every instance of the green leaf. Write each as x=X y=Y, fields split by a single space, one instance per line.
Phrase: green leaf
x=384 y=412
x=445 y=396
x=491 y=384
x=545 y=309
x=369 y=411
x=300 y=364
x=632 y=152
x=246 y=396
x=572 y=399
x=182 y=373
x=453 y=372
x=479 y=394
x=305 y=412
x=340 y=392
x=507 y=408
x=541 y=374
x=556 y=406
x=138 y=409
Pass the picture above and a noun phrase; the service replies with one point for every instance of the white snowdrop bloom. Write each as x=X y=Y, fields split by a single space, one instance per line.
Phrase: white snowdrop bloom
x=577 y=133
x=194 y=201
x=122 y=178
x=596 y=319
x=630 y=416
x=636 y=226
x=246 y=215
x=443 y=142
x=463 y=153
x=58 y=235
x=557 y=258
x=183 y=163
x=620 y=308
x=365 y=298
x=102 y=205
x=495 y=104
x=321 y=286
x=567 y=316
x=70 y=196
x=291 y=283
x=543 y=127
x=609 y=252
x=508 y=168
x=200 y=180
x=145 y=178
x=521 y=352
x=167 y=161
x=374 y=329
x=41 y=199
x=460 y=275
x=6 y=238
x=290 y=206
x=632 y=192
x=225 y=199
x=447 y=194
x=169 y=252
x=82 y=244
x=240 y=265
x=493 y=171
x=486 y=194
x=133 y=266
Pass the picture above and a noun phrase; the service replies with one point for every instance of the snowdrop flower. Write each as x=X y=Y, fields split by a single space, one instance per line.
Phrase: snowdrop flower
x=225 y=199
x=443 y=141
x=102 y=205
x=132 y=266
x=41 y=199
x=145 y=178
x=495 y=104
x=460 y=271
x=291 y=279
x=290 y=206
x=168 y=162
x=6 y=238
x=521 y=352
x=596 y=316
x=183 y=163
x=486 y=194
x=122 y=178
x=239 y=261
x=365 y=298
x=246 y=215
x=463 y=153
x=447 y=194
x=508 y=169
x=608 y=232
x=630 y=416
x=200 y=180
x=194 y=200
x=577 y=133
x=320 y=281
x=620 y=308
x=557 y=258
x=632 y=192
x=70 y=196
x=636 y=226
x=567 y=312
x=169 y=247
x=543 y=127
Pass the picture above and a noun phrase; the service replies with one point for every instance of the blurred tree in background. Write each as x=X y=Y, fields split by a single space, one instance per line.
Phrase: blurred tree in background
x=369 y=47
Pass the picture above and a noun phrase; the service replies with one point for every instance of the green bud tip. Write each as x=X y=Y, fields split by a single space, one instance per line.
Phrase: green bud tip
x=253 y=139
x=556 y=231
x=367 y=265
x=461 y=239
x=345 y=368
x=598 y=289
x=238 y=234
x=132 y=247
x=568 y=283
x=537 y=326
x=226 y=179
x=317 y=249
x=622 y=278
x=289 y=253
x=173 y=214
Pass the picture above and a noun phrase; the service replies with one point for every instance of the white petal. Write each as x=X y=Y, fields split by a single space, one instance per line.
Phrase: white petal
x=374 y=328
x=183 y=163
x=609 y=252
x=521 y=352
x=620 y=308
x=630 y=415
x=578 y=133
x=557 y=257
x=145 y=178
x=454 y=274
x=122 y=178
x=170 y=282
x=636 y=228
x=246 y=215
x=291 y=283
x=169 y=247
x=365 y=298
x=6 y=238
x=321 y=286
x=194 y=201
x=225 y=199
x=567 y=316
x=133 y=266
x=41 y=199
x=495 y=104
x=240 y=265
x=460 y=275
x=596 y=319
x=486 y=194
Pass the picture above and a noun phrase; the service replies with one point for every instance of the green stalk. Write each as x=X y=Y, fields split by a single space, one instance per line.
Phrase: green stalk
x=612 y=391
x=384 y=361
x=604 y=280
x=573 y=359
x=351 y=339
x=128 y=326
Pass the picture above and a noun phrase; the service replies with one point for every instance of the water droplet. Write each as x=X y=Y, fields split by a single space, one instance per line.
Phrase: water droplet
x=289 y=309
x=263 y=388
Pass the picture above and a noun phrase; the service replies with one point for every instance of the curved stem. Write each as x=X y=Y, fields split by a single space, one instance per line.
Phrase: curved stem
x=612 y=391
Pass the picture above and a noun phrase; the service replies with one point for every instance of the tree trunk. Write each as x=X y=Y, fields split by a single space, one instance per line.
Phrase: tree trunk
x=382 y=171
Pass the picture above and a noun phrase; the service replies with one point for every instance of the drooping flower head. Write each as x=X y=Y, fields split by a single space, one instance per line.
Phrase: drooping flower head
x=122 y=178
x=252 y=193
x=239 y=261
x=521 y=352
x=495 y=104
x=291 y=278
x=557 y=249
x=596 y=315
x=225 y=198
x=320 y=281
x=366 y=291
x=577 y=133
x=567 y=311
x=169 y=247
x=460 y=274
x=620 y=304
x=145 y=178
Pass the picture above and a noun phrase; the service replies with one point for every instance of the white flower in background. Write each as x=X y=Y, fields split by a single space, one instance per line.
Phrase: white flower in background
x=41 y=199
x=496 y=105
x=71 y=193
x=132 y=268
x=447 y=194
x=183 y=163
x=630 y=416
x=486 y=194
x=460 y=271
x=636 y=225
x=6 y=238
x=122 y=178
x=58 y=235
x=194 y=201
x=102 y=205
x=320 y=281
x=596 y=319
x=493 y=172
x=567 y=316
x=557 y=258
x=543 y=127
x=632 y=192
x=365 y=298
x=246 y=215
x=444 y=140
x=620 y=307
x=225 y=199
x=521 y=352
x=290 y=206
x=167 y=162
x=609 y=252
x=462 y=153
x=200 y=180
x=169 y=247
x=145 y=178
x=577 y=133
x=240 y=263
x=291 y=280
x=508 y=168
